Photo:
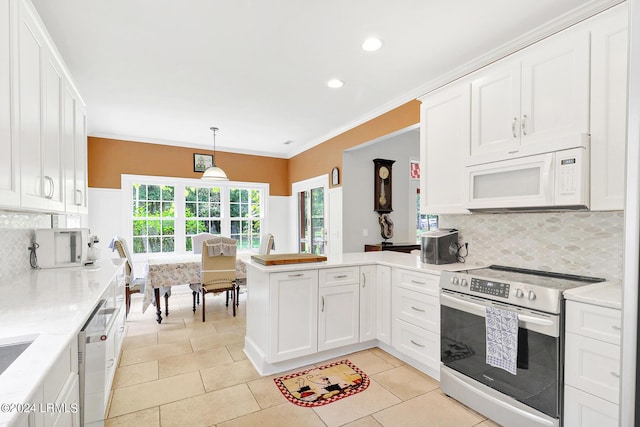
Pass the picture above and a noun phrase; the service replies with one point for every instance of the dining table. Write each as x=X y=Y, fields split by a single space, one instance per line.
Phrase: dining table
x=164 y=271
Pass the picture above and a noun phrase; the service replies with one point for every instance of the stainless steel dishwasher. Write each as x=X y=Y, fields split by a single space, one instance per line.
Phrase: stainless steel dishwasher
x=93 y=362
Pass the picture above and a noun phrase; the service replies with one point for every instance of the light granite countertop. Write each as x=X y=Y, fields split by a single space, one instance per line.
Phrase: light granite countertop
x=390 y=258
x=48 y=306
x=604 y=294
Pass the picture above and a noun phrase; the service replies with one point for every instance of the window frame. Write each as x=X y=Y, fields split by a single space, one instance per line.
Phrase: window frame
x=179 y=184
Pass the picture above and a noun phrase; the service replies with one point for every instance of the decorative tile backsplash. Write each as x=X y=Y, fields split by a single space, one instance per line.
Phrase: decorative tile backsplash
x=16 y=235
x=583 y=243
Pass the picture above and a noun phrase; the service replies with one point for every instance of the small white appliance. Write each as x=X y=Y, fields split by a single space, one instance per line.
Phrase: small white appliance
x=556 y=180
x=62 y=247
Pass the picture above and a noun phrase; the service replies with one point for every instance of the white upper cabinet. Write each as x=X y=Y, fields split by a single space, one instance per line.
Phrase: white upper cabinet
x=495 y=110
x=609 y=43
x=50 y=168
x=75 y=152
x=9 y=177
x=444 y=146
x=51 y=144
x=30 y=65
x=532 y=102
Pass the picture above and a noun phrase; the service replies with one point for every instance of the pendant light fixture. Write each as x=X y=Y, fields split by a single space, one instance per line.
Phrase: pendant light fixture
x=214 y=173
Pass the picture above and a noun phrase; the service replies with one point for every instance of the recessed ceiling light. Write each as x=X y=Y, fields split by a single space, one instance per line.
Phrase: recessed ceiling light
x=371 y=44
x=335 y=83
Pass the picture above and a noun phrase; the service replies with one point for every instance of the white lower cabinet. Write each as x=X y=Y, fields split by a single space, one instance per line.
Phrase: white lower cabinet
x=338 y=307
x=56 y=402
x=293 y=300
x=383 y=306
x=338 y=316
x=592 y=365
x=368 y=302
x=416 y=317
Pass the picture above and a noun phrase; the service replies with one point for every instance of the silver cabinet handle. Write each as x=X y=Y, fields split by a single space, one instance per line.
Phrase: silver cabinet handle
x=79 y=200
x=513 y=127
x=109 y=363
x=364 y=280
x=615 y=374
x=322 y=309
x=617 y=328
x=415 y=343
x=418 y=309
x=417 y=282
x=342 y=276
x=296 y=275
x=51 y=187
x=524 y=124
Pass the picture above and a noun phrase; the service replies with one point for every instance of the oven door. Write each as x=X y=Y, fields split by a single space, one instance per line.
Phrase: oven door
x=463 y=349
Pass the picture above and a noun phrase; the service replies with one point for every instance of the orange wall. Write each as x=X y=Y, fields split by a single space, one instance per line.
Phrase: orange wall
x=322 y=158
x=109 y=158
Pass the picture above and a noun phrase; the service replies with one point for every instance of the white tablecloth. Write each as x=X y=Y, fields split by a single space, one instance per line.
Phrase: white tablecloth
x=166 y=271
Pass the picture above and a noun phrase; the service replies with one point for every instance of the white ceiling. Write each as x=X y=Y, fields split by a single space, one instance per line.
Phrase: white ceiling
x=167 y=70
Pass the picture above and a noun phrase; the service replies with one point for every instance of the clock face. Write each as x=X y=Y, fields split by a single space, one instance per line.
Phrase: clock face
x=383 y=172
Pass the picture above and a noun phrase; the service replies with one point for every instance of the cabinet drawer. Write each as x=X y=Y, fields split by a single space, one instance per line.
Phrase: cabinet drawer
x=417 y=343
x=593 y=366
x=339 y=276
x=601 y=323
x=416 y=308
x=420 y=282
x=586 y=410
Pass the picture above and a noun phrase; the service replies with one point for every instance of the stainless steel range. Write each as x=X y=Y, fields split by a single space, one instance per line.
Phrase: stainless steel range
x=514 y=376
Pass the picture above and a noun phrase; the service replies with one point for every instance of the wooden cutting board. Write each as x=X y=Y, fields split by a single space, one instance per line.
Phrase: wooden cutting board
x=278 y=259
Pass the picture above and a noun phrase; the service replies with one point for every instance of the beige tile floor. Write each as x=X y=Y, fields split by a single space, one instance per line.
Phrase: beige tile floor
x=187 y=373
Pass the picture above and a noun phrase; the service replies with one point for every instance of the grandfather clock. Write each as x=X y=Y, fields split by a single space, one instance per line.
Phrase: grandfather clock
x=382 y=185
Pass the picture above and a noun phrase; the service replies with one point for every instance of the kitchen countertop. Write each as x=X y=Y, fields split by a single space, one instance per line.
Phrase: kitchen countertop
x=604 y=294
x=390 y=258
x=50 y=305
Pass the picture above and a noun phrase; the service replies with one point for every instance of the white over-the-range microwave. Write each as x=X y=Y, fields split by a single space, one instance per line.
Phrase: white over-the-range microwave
x=555 y=180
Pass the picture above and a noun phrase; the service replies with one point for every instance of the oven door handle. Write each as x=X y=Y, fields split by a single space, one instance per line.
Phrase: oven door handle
x=480 y=310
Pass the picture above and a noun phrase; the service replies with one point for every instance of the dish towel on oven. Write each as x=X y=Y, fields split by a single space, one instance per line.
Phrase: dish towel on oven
x=502 y=339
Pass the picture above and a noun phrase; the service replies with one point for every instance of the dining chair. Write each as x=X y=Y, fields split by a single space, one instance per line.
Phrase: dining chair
x=197 y=239
x=219 y=269
x=132 y=284
x=267 y=244
x=196 y=248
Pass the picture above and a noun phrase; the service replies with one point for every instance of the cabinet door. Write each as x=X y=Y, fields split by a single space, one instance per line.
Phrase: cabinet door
x=383 y=304
x=31 y=51
x=495 y=111
x=51 y=148
x=609 y=42
x=294 y=314
x=368 y=300
x=9 y=177
x=338 y=316
x=444 y=147
x=555 y=92
x=70 y=398
x=80 y=159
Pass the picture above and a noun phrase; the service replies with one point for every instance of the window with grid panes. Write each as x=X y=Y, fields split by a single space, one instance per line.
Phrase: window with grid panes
x=245 y=216
x=202 y=212
x=153 y=218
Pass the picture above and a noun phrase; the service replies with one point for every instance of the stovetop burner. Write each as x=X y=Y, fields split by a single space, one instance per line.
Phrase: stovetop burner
x=539 y=290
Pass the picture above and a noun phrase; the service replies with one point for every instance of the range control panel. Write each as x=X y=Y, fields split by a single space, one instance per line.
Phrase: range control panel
x=490 y=288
